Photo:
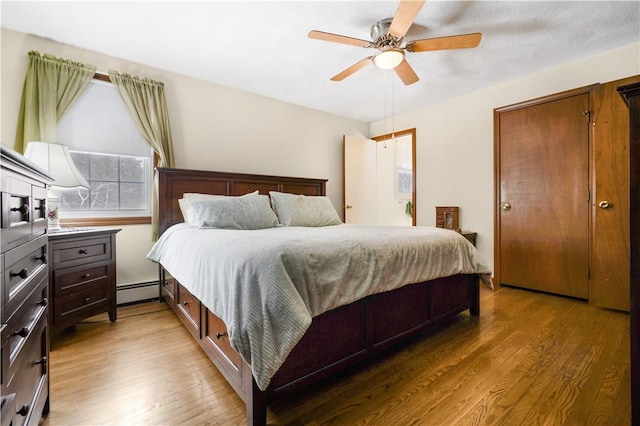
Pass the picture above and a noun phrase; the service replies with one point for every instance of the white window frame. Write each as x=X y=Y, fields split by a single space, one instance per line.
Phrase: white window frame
x=87 y=129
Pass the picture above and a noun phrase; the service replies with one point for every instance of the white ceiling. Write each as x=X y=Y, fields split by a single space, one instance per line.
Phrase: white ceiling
x=262 y=46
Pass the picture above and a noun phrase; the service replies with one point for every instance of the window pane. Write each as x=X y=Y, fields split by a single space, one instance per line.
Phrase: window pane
x=74 y=199
x=132 y=196
x=132 y=169
x=103 y=168
x=104 y=196
x=81 y=160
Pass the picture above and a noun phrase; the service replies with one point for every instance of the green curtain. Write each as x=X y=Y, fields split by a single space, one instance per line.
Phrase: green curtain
x=50 y=87
x=146 y=103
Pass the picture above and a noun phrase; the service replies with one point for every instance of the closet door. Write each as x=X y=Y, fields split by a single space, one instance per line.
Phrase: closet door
x=542 y=194
x=610 y=203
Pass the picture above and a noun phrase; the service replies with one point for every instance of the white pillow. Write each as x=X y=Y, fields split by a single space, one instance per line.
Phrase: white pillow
x=251 y=212
x=304 y=210
x=187 y=197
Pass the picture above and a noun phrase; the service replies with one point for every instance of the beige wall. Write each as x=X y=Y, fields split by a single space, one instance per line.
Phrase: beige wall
x=454 y=146
x=214 y=128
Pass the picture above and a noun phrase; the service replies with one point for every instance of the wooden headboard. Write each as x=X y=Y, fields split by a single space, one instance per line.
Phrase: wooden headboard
x=172 y=183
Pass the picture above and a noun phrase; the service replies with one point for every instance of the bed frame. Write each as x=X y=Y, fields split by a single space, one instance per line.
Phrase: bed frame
x=336 y=339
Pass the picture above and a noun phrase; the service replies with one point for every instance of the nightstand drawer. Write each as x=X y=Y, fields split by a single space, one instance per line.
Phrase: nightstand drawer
x=25 y=266
x=70 y=282
x=81 y=252
x=86 y=301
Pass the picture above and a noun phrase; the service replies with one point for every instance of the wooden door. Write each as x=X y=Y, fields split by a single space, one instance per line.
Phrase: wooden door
x=360 y=181
x=542 y=192
x=610 y=203
x=631 y=94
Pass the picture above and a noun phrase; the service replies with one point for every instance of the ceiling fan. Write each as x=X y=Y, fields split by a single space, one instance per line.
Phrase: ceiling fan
x=387 y=36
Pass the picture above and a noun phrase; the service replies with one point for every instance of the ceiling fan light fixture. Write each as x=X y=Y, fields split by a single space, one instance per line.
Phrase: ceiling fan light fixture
x=389 y=58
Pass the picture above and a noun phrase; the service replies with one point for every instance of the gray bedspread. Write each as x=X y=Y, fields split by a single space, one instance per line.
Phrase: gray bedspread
x=268 y=284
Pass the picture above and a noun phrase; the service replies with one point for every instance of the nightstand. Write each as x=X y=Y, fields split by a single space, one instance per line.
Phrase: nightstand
x=471 y=236
x=82 y=280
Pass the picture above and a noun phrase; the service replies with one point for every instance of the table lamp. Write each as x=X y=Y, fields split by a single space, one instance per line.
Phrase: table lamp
x=55 y=159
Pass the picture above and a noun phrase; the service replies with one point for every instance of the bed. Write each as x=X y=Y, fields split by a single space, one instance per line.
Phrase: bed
x=320 y=336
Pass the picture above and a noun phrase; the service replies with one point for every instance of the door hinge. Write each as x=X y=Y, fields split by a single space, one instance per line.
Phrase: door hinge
x=589 y=273
x=588 y=195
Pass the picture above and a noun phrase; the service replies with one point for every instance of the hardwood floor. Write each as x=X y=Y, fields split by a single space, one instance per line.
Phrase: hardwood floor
x=530 y=358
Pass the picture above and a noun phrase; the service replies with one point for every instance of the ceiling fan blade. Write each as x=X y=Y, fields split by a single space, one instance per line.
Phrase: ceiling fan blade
x=406 y=13
x=462 y=41
x=406 y=73
x=320 y=35
x=352 y=69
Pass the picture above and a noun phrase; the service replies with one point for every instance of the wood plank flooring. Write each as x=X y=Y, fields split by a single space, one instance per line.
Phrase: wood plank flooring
x=530 y=358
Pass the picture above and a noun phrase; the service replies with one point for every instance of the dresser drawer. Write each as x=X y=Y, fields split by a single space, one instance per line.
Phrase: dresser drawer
x=20 y=327
x=27 y=376
x=80 y=251
x=7 y=409
x=24 y=267
x=86 y=300
x=68 y=282
x=189 y=310
x=23 y=211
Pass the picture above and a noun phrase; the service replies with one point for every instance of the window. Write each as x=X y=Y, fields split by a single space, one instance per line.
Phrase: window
x=108 y=149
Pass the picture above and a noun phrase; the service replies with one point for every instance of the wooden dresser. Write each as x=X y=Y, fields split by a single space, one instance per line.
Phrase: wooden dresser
x=83 y=275
x=24 y=300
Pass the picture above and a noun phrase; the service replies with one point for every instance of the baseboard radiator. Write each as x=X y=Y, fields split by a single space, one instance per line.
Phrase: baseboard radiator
x=136 y=292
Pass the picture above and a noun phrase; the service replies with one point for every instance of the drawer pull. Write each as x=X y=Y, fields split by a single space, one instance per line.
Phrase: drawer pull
x=83 y=251
x=185 y=303
x=42 y=258
x=23 y=411
x=41 y=361
x=24 y=209
x=24 y=273
x=43 y=302
x=87 y=299
x=220 y=335
x=85 y=276
x=23 y=332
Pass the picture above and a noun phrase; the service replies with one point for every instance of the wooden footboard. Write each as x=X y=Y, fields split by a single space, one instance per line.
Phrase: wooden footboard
x=335 y=340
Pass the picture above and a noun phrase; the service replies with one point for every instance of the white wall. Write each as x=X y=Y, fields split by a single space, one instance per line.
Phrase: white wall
x=454 y=146
x=214 y=128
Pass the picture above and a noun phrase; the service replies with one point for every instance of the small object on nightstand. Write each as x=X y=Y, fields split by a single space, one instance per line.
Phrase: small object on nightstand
x=83 y=275
x=448 y=218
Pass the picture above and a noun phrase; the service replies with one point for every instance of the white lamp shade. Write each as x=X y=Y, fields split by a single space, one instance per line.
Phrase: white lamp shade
x=55 y=159
x=389 y=58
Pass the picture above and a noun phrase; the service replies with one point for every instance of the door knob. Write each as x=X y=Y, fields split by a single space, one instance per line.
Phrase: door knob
x=506 y=206
x=604 y=204
x=349 y=206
